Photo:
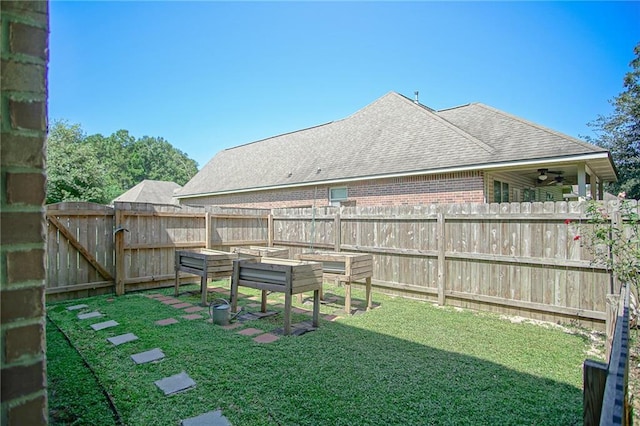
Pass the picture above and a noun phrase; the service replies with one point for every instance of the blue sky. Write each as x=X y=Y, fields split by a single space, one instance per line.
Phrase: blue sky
x=210 y=75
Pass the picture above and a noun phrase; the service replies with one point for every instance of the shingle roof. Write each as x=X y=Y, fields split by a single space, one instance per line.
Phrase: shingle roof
x=150 y=191
x=513 y=137
x=389 y=136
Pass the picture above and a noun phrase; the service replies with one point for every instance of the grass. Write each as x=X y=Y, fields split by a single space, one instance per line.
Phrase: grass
x=405 y=362
x=75 y=397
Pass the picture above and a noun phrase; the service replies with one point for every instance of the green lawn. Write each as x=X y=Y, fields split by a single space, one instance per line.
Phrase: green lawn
x=405 y=362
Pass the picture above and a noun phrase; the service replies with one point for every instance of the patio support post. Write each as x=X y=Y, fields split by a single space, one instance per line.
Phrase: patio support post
x=441 y=258
x=270 y=230
x=582 y=181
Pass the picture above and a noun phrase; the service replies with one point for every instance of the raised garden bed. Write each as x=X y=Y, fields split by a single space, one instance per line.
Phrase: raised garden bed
x=208 y=264
x=344 y=267
x=278 y=275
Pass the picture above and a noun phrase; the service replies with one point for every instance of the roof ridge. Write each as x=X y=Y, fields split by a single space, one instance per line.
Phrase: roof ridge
x=458 y=130
x=456 y=107
x=279 y=135
x=539 y=126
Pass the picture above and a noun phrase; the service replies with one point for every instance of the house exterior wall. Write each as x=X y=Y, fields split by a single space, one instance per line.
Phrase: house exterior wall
x=463 y=187
x=24 y=53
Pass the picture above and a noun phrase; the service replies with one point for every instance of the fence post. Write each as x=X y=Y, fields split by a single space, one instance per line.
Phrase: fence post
x=594 y=380
x=119 y=248
x=616 y=220
x=337 y=232
x=270 y=229
x=207 y=229
x=612 y=301
x=441 y=258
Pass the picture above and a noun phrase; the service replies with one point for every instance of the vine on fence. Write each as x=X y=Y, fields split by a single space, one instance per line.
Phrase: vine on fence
x=614 y=239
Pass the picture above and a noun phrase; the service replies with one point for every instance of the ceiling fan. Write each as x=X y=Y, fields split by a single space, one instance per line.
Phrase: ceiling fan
x=543 y=176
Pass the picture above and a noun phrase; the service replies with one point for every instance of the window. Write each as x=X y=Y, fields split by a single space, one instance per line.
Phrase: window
x=500 y=192
x=529 y=195
x=336 y=195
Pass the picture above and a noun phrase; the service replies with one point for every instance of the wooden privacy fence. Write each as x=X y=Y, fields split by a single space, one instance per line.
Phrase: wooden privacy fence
x=521 y=258
x=94 y=249
x=605 y=385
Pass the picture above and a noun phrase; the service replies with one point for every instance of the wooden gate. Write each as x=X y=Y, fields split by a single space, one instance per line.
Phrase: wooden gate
x=80 y=249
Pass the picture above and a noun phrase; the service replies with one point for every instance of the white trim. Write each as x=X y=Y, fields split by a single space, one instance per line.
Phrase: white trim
x=512 y=164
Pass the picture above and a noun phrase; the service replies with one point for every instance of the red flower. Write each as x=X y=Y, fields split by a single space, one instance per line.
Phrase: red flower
x=576 y=238
x=567 y=221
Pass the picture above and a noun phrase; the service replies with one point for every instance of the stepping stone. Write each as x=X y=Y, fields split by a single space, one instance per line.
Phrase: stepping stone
x=154 y=295
x=147 y=356
x=218 y=289
x=76 y=307
x=266 y=338
x=167 y=321
x=330 y=317
x=193 y=309
x=123 y=338
x=253 y=305
x=171 y=301
x=181 y=305
x=250 y=331
x=212 y=418
x=94 y=314
x=163 y=297
x=299 y=311
x=192 y=317
x=176 y=383
x=103 y=325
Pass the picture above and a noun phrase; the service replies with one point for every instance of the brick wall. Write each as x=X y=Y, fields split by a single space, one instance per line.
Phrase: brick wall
x=24 y=55
x=464 y=187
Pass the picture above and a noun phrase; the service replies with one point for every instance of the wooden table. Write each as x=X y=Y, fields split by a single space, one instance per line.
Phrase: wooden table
x=346 y=268
x=280 y=275
x=208 y=264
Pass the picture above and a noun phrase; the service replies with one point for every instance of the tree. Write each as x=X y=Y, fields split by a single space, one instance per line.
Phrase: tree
x=619 y=132
x=98 y=168
x=73 y=170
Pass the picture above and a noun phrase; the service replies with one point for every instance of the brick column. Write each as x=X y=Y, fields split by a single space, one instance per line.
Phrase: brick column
x=24 y=37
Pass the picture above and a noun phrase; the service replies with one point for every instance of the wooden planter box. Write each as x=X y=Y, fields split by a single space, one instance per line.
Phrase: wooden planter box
x=259 y=251
x=280 y=275
x=346 y=268
x=208 y=264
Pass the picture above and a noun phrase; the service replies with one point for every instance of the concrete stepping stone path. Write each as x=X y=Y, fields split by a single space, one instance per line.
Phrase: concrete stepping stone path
x=212 y=418
x=103 y=325
x=88 y=315
x=148 y=356
x=167 y=321
x=192 y=317
x=77 y=307
x=176 y=383
x=123 y=338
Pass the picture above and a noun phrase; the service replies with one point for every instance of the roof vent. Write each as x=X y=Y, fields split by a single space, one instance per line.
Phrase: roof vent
x=416 y=93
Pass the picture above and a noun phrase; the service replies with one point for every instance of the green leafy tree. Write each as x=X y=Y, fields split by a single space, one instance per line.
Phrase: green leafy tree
x=98 y=168
x=619 y=132
x=73 y=170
